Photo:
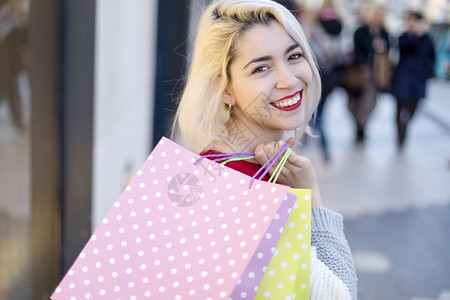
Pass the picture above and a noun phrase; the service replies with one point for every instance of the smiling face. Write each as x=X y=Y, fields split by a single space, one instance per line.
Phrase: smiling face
x=269 y=79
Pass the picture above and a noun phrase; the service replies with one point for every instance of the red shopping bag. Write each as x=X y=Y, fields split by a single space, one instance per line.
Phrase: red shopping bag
x=178 y=230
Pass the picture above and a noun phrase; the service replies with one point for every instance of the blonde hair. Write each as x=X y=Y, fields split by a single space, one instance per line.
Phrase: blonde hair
x=201 y=114
x=370 y=12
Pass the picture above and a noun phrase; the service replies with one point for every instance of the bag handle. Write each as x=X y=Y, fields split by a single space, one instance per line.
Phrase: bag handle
x=223 y=156
x=229 y=157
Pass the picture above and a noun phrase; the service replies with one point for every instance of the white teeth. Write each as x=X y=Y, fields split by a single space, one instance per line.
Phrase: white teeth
x=289 y=102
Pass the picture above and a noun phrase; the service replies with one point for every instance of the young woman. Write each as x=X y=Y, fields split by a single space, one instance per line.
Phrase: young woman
x=253 y=81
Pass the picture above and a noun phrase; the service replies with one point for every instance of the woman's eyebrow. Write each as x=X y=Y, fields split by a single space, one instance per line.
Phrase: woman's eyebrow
x=258 y=59
x=268 y=57
x=290 y=48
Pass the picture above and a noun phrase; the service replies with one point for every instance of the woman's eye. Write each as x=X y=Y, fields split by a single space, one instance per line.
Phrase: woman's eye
x=259 y=69
x=295 y=56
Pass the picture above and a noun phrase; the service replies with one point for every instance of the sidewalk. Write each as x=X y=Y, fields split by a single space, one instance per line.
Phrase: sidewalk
x=395 y=203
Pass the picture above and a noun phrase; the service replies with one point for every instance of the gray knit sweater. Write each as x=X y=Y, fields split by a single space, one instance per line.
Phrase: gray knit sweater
x=327 y=235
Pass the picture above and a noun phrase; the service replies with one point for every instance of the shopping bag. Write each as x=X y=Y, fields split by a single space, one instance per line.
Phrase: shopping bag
x=177 y=231
x=251 y=277
x=288 y=273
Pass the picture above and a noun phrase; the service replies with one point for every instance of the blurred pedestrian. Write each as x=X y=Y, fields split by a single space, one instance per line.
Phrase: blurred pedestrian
x=416 y=65
x=371 y=47
x=325 y=33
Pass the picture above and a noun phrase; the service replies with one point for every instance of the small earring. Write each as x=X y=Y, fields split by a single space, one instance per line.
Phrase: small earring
x=230 y=108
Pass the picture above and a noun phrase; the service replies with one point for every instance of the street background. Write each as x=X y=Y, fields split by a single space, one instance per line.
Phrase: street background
x=395 y=203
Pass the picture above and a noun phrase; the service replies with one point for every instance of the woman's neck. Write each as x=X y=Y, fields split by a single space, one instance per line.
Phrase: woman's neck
x=243 y=136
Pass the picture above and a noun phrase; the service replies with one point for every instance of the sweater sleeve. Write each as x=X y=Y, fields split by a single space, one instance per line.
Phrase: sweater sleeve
x=327 y=235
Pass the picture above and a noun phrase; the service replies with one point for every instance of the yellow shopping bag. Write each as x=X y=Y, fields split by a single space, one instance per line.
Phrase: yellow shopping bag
x=288 y=273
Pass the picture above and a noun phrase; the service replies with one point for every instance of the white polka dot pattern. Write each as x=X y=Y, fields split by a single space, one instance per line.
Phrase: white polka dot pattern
x=288 y=273
x=177 y=231
x=253 y=274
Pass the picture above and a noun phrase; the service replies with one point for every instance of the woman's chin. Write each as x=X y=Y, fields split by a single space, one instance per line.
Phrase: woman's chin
x=292 y=126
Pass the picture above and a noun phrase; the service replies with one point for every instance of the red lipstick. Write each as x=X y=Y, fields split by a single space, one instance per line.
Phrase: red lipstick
x=289 y=103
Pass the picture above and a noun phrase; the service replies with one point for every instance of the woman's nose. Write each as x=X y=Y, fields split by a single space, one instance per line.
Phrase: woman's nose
x=285 y=78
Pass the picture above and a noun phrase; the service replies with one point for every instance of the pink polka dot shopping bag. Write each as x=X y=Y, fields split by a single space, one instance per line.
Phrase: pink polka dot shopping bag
x=187 y=230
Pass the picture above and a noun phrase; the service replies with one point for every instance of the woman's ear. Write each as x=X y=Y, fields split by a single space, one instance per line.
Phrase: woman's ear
x=227 y=98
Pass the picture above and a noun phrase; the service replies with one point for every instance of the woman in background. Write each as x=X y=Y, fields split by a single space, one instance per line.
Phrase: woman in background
x=327 y=37
x=369 y=40
x=415 y=66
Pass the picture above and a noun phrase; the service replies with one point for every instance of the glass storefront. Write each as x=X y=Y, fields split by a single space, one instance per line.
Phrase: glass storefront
x=15 y=149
